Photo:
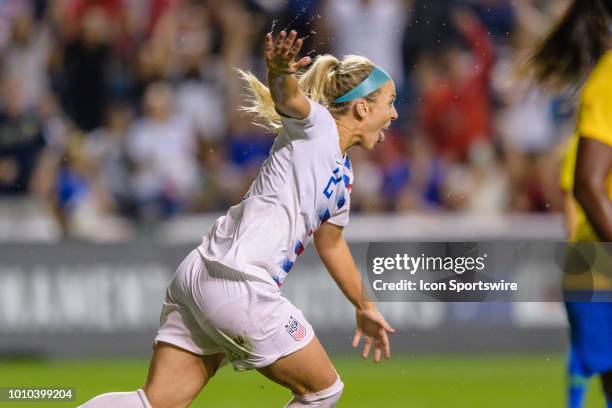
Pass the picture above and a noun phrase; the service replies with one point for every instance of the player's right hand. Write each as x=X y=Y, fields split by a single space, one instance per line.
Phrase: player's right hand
x=373 y=327
x=280 y=53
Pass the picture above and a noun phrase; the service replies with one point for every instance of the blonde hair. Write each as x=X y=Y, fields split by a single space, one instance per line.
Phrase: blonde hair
x=326 y=80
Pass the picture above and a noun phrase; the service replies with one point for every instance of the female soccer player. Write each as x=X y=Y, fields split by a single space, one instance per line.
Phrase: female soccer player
x=580 y=45
x=224 y=301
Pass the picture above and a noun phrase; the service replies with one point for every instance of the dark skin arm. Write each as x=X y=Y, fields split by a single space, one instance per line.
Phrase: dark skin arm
x=570 y=215
x=593 y=165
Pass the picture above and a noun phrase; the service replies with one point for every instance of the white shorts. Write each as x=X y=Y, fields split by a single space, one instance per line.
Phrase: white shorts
x=210 y=308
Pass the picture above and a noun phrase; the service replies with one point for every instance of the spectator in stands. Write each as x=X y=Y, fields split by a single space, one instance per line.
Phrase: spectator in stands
x=163 y=148
x=369 y=27
x=200 y=92
x=84 y=207
x=480 y=186
x=424 y=189
x=21 y=138
x=73 y=12
x=456 y=106
x=27 y=56
x=220 y=181
x=84 y=65
x=105 y=150
x=429 y=26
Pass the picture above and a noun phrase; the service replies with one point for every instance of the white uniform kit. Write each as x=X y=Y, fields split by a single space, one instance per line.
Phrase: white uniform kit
x=225 y=296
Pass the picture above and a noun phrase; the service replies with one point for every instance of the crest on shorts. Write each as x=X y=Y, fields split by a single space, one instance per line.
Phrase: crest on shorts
x=295 y=329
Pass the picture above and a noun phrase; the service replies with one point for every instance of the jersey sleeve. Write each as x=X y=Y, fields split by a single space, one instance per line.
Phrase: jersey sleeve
x=343 y=202
x=317 y=124
x=595 y=112
x=341 y=217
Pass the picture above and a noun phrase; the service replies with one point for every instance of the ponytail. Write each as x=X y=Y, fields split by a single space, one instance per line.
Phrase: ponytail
x=324 y=81
x=319 y=81
x=260 y=103
x=573 y=47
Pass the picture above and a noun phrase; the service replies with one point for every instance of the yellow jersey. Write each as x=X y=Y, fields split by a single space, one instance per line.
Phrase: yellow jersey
x=594 y=121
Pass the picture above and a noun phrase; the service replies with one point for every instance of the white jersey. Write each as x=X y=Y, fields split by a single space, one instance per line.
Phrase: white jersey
x=303 y=183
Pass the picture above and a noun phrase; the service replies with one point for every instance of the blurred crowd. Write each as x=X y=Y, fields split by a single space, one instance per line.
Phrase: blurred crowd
x=118 y=113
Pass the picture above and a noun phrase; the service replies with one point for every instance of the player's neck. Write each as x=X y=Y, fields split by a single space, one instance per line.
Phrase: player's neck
x=348 y=133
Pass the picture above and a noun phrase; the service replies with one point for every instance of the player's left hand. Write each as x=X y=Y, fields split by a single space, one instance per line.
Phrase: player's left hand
x=373 y=327
x=281 y=53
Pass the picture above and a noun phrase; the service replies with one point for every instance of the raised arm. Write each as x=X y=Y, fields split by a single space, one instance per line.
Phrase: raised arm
x=336 y=256
x=479 y=41
x=280 y=55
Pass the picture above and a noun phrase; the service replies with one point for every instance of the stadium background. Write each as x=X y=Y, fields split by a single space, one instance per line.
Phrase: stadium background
x=121 y=141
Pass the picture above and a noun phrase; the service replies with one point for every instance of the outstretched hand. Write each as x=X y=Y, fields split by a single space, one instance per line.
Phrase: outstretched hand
x=280 y=54
x=374 y=328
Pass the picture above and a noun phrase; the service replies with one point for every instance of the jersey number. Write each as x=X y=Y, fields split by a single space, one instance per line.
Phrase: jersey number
x=333 y=180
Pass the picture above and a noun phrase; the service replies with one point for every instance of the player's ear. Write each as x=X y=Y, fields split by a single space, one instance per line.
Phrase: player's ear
x=362 y=108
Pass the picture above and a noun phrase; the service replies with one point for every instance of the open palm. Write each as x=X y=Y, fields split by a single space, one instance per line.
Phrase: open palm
x=280 y=53
x=373 y=327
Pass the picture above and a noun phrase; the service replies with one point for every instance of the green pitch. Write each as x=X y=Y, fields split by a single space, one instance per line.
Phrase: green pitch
x=404 y=381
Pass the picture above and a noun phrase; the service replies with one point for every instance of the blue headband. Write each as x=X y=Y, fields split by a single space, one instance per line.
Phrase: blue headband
x=374 y=81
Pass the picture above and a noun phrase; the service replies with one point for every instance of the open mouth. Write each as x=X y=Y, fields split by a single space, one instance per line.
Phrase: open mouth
x=381 y=134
